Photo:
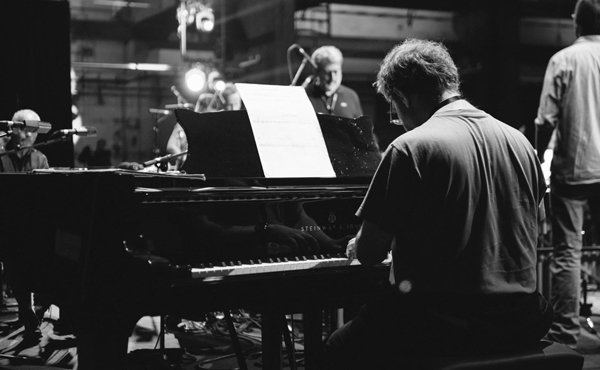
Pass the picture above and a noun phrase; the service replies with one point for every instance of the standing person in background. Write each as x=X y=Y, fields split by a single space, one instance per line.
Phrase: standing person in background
x=325 y=89
x=570 y=104
x=456 y=200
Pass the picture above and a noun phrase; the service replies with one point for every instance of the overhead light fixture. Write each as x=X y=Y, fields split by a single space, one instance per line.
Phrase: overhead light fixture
x=190 y=12
x=205 y=20
x=195 y=78
x=122 y=4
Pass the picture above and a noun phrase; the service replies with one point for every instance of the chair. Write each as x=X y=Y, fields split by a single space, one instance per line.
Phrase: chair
x=544 y=356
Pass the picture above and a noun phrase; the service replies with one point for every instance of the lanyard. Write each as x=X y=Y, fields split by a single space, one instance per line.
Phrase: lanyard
x=331 y=107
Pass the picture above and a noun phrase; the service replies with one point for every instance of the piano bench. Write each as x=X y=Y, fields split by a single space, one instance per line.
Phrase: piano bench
x=544 y=356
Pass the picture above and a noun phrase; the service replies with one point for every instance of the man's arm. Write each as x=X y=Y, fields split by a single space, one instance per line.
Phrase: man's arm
x=549 y=108
x=372 y=244
x=542 y=139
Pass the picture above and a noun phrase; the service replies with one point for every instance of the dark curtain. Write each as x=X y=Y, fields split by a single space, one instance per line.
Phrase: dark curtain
x=35 y=67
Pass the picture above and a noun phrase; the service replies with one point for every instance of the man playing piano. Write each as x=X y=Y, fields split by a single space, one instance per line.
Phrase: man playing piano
x=457 y=201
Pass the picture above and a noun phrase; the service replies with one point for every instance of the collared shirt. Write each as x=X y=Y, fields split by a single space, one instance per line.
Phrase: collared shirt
x=570 y=104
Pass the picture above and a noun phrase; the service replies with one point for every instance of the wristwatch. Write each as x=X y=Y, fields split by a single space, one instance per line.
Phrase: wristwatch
x=260 y=229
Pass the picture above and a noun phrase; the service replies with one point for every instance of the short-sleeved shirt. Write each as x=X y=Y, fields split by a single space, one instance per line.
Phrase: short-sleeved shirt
x=344 y=102
x=570 y=103
x=462 y=195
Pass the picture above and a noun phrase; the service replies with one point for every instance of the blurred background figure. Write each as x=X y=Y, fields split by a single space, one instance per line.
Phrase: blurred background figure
x=325 y=89
x=227 y=99
x=230 y=97
x=101 y=157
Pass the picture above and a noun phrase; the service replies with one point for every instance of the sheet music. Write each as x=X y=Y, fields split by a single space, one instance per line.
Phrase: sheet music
x=287 y=132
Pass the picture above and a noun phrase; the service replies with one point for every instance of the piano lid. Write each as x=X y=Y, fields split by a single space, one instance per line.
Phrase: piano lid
x=222 y=145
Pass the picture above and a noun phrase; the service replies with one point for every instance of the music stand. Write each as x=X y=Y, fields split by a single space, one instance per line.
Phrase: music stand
x=227 y=138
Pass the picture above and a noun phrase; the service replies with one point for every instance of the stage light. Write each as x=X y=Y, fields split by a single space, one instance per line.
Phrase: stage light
x=195 y=79
x=190 y=11
x=215 y=81
x=219 y=85
x=205 y=20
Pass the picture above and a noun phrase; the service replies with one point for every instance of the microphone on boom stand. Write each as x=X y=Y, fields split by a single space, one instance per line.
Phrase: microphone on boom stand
x=305 y=59
x=28 y=125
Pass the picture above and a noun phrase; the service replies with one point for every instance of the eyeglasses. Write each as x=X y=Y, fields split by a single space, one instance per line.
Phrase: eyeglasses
x=394 y=119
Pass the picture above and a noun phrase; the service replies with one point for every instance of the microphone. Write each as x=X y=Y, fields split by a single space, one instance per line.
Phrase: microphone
x=27 y=125
x=164 y=112
x=178 y=95
x=305 y=55
x=80 y=131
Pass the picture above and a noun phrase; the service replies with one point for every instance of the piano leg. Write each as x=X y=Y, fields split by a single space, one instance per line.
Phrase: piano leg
x=272 y=329
x=313 y=337
x=102 y=336
x=101 y=353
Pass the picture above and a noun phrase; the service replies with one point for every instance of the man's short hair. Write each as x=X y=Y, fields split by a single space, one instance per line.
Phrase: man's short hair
x=326 y=55
x=25 y=114
x=587 y=16
x=421 y=66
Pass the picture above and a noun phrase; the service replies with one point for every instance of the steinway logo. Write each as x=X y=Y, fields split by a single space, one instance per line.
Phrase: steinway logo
x=330 y=227
x=331 y=218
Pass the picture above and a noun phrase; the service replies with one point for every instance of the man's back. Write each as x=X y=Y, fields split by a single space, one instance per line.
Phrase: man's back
x=471 y=211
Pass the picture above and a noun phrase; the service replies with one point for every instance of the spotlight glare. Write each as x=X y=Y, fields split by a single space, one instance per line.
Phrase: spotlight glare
x=208 y=25
x=195 y=79
x=219 y=85
x=205 y=20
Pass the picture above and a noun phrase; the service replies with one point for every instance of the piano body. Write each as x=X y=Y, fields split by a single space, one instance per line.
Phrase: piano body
x=109 y=247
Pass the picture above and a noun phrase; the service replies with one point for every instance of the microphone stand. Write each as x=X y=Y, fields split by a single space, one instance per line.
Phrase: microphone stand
x=44 y=143
x=298 y=72
x=163 y=159
x=300 y=69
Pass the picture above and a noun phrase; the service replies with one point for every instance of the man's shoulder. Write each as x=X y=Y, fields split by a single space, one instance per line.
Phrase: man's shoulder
x=41 y=161
x=345 y=90
x=583 y=44
x=36 y=152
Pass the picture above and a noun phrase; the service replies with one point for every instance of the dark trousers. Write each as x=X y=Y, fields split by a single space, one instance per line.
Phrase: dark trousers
x=390 y=333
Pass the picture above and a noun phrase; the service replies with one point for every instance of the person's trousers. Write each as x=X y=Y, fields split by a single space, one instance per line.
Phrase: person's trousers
x=397 y=331
x=568 y=209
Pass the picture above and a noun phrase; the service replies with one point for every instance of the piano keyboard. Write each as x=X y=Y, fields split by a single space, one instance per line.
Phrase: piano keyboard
x=272 y=265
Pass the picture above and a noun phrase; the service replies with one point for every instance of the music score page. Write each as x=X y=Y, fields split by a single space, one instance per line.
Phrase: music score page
x=286 y=129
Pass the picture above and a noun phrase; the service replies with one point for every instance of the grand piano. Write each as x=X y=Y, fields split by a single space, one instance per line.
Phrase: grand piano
x=110 y=246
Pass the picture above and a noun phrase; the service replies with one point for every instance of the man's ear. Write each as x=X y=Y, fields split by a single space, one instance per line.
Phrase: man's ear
x=402 y=97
